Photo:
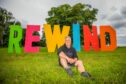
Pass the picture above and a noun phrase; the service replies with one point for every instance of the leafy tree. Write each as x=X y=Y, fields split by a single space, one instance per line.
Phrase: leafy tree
x=65 y=14
x=6 y=19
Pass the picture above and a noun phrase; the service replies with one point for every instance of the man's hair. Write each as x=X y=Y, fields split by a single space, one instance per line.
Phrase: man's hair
x=67 y=37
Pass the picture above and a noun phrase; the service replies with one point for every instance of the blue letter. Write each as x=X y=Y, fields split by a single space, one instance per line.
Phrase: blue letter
x=76 y=36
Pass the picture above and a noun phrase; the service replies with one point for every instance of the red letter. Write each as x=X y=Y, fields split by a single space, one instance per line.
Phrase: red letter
x=30 y=38
x=90 y=38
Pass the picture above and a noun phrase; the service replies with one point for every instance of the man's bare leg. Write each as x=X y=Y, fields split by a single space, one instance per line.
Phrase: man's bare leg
x=63 y=62
x=80 y=66
x=81 y=69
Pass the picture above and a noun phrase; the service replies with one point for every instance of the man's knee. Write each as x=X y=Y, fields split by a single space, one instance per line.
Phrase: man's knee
x=79 y=63
x=63 y=63
x=62 y=60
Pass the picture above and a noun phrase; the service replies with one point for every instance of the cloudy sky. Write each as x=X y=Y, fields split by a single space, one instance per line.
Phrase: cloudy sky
x=111 y=12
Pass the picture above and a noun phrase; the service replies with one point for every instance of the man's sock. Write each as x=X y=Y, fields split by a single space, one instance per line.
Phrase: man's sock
x=69 y=71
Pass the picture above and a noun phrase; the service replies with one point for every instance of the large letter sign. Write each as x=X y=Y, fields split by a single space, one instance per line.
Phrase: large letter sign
x=55 y=37
x=76 y=37
x=14 y=39
x=112 y=32
x=90 y=38
x=30 y=38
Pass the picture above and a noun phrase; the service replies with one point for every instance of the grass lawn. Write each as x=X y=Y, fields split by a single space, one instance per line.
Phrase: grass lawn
x=42 y=68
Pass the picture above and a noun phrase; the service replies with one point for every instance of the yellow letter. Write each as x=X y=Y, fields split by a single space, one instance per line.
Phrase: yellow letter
x=57 y=38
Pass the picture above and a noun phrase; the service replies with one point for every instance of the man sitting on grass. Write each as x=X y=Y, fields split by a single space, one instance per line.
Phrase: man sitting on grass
x=68 y=57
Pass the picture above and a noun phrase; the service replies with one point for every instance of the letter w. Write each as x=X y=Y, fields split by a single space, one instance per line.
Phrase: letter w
x=56 y=38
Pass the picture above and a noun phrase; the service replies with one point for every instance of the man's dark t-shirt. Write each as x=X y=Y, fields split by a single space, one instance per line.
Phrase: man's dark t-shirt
x=70 y=52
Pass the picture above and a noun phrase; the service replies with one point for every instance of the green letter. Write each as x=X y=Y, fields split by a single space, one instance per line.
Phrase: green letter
x=14 y=38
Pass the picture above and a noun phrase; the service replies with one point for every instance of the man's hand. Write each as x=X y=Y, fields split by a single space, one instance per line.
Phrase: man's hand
x=71 y=60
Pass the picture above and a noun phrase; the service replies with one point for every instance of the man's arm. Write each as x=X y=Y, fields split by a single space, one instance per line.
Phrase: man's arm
x=70 y=60
x=63 y=55
x=75 y=55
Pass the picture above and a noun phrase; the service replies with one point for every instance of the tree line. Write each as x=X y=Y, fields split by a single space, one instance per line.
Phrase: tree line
x=83 y=14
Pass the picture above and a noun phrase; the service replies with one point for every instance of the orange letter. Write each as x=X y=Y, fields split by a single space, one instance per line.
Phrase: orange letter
x=112 y=33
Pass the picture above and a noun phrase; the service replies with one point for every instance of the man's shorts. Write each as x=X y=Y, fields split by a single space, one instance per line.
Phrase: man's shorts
x=71 y=65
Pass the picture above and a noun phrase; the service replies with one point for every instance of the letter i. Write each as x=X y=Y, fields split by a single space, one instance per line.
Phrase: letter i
x=76 y=36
